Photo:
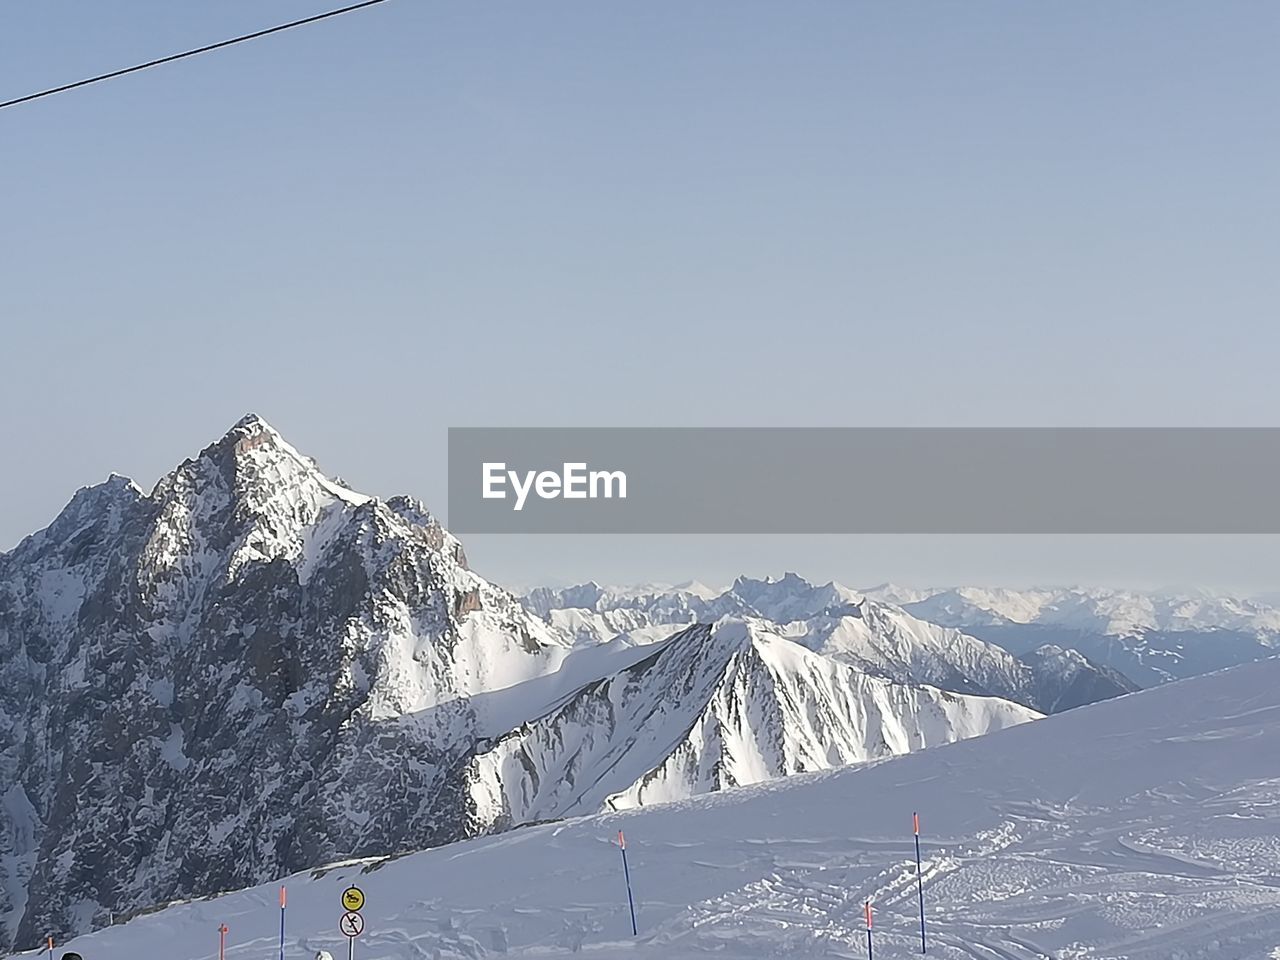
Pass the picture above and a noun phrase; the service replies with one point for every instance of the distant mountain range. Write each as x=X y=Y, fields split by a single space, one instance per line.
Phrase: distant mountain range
x=874 y=637
x=1113 y=612
x=1121 y=640
x=1151 y=638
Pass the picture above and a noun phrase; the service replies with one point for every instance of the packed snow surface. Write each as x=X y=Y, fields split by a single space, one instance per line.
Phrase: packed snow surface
x=1143 y=827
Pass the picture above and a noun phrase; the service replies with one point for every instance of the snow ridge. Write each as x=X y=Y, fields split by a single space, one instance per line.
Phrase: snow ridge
x=717 y=706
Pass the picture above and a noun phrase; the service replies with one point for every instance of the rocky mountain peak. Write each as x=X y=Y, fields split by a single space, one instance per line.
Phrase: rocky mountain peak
x=199 y=686
x=253 y=455
x=94 y=512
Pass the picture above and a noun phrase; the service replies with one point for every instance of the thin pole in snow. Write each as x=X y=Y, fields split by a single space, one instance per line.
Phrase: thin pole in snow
x=869 y=956
x=51 y=947
x=283 y=900
x=626 y=873
x=222 y=941
x=919 y=880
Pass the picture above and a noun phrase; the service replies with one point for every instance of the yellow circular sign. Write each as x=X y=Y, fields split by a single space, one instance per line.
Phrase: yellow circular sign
x=353 y=898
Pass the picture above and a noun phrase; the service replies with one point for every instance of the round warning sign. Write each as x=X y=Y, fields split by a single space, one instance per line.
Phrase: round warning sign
x=352 y=899
x=351 y=924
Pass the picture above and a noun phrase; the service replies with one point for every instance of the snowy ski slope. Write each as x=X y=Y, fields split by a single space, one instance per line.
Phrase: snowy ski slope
x=1144 y=827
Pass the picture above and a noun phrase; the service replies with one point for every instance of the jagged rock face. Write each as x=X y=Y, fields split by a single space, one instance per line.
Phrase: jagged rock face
x=1066 y=679
x=247 y=672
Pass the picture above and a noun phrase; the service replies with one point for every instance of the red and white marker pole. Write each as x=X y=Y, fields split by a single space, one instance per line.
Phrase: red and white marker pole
x=869 y=956
x=919 y=879
x=50 y=948
x=283 y=901
x=222 y=941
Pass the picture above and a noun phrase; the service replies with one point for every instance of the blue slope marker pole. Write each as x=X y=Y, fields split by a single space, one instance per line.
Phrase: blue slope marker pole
x=626 y=873
x=283 y=900
x=869 y=956
x=919 y=880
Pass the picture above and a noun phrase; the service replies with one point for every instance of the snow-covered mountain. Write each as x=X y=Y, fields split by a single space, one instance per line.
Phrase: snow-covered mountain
x=1149 y=638
x=887 y=641
x=872 y=636
x=248 y=670
x=253 y=669
x=714 y=707
x=1142 y=828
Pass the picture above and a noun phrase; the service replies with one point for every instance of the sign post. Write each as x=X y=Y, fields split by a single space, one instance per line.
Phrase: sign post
x=352 y=923
x=626 y=874
x=869 y=957
x=222 y=941
x=915 y=817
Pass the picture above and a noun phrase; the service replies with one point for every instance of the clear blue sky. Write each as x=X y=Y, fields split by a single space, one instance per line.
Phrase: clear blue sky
x=434 y=214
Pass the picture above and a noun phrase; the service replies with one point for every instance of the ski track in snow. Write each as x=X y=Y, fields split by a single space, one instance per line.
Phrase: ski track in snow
x=1057 y=840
